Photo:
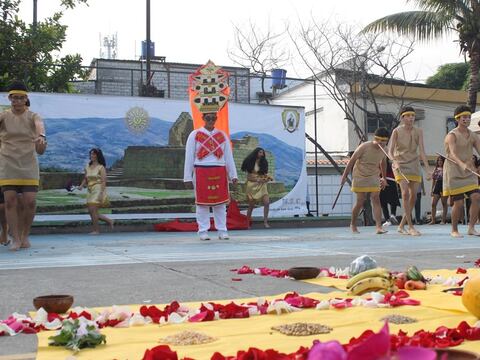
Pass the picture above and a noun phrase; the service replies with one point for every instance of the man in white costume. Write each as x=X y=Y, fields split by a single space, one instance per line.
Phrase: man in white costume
x=209 y=165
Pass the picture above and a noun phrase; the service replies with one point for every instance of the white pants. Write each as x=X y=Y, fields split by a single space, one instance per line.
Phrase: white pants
x=219 y=217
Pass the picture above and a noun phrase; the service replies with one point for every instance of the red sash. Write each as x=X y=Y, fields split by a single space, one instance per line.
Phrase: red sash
x=211 y=185
x=209 y=144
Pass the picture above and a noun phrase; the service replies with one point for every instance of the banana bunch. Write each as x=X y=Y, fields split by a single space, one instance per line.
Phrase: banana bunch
x=378 y=279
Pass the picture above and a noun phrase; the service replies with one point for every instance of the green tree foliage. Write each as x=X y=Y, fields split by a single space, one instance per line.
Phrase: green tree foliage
x=450 y=76
x=30 y=53
x=435 y=19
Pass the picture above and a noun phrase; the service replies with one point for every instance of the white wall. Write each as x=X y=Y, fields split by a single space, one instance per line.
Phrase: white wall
x=328 y=186
x=332 y=129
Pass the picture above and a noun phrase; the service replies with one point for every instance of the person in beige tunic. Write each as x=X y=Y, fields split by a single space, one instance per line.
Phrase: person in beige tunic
x=96 y=182
x=406 y=149
x=256 y=167
x=22 y=137
x=368 y=162
x=458 y=179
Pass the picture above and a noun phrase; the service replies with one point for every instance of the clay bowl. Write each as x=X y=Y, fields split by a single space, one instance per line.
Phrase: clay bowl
x=303 y=272
x=53 y=303
x=453 y=354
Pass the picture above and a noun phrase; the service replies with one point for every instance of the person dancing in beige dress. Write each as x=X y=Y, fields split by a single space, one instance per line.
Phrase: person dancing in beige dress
x=367 y=162
x=96 y=181
x=458 y=178
x=406 y=148
x=22 y=137
x=256 y=166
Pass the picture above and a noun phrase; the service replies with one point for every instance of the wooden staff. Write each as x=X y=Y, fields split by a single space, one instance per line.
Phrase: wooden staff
x=338 y=195
x=389 y=158
x=454 y=162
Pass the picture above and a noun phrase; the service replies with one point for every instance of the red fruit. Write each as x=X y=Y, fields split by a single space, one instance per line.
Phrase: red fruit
x=400 y=280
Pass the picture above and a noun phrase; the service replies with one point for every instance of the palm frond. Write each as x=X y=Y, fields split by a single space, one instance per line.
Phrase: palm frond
x=421 y=25
x=451 y=7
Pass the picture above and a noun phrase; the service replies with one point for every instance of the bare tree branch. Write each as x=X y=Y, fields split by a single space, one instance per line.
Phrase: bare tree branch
x=260 y=51
x=350 y=66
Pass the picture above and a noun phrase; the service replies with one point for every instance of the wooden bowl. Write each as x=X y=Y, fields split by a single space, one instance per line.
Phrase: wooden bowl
x=53 y=303
x=453 y=354
x=303 y=272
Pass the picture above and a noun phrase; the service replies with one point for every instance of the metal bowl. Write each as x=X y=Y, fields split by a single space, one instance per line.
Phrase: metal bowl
x=303 y=272
x=53 y=303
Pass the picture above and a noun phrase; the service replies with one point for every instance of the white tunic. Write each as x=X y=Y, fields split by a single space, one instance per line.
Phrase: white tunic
x=191 y=158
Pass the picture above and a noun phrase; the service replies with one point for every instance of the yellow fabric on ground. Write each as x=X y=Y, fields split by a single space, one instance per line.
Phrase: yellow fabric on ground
x=438 y=308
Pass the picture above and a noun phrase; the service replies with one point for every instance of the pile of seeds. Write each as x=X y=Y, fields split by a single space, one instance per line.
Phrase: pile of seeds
x=302 y=329
x=399 y=319
x=188 y=338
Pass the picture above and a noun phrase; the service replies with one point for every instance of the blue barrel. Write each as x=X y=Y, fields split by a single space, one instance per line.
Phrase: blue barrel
x=151 y=50
x=278 y=78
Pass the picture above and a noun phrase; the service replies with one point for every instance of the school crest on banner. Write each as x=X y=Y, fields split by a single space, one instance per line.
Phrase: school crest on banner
x=290 y=119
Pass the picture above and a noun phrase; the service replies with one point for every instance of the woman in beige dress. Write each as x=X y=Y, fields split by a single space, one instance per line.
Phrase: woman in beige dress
x=406 y=150
x=256 y=167
x=458 y=177
x=22 y=137
x=96 y=181
x=368 y=162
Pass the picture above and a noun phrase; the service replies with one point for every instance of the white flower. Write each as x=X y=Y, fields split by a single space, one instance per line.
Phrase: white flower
x=323 y=305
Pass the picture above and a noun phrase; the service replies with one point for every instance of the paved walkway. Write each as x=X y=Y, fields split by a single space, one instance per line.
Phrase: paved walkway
x=150 y=267
x=63 y=250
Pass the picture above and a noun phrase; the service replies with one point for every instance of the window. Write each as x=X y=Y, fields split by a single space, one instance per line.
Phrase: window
x=375 y=121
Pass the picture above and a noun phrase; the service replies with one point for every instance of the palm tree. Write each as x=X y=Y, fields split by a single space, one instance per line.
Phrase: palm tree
x=435 y=19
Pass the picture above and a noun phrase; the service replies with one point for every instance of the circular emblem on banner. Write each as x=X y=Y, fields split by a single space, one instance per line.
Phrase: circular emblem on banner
x=137 y=120
x=290 y=119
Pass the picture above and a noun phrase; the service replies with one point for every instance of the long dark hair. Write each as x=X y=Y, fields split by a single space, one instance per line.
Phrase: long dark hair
x=438 y=159
x=100 y=157
x=249 y=163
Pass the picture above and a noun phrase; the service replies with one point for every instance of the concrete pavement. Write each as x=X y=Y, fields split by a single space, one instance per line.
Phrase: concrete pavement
x=151 y=267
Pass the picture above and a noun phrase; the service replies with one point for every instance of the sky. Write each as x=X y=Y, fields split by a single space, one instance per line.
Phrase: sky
x=189 y=31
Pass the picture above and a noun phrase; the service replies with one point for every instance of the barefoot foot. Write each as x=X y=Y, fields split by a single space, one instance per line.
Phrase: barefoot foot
x=354 y=229
x=16 y=245
x=456 y=234
x=381 y=231
x=414 y=232
x=25 y=244
x=402 y=230
x=473 y=232
x=266 y=225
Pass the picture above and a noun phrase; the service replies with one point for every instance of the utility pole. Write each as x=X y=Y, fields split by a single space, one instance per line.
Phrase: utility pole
x=35 y=14
x=148 y=50
x=363 y=89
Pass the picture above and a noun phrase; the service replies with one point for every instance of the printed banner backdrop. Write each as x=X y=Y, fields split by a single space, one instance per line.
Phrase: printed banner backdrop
x=143 y=143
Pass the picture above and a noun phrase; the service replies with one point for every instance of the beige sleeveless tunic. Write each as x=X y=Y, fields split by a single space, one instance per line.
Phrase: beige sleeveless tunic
x=94 y=186
x=366 y=171
x=18 y=158
x=256 y=191
x=456 y=180
x=405 y=155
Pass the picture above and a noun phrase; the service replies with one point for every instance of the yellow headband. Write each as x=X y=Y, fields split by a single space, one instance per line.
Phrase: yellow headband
x=408 y=113
x=381 y=138
x=19 y=92
x=458 y=116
